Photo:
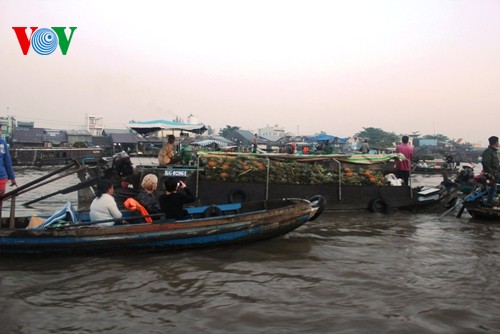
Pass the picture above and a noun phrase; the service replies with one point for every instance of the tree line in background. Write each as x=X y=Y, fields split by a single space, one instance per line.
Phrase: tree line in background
x=377 y=137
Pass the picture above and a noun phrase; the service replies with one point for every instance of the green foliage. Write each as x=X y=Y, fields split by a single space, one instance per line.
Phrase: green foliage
x=79 y=144
x=439 y=137
x=228 y=131
x=178 y=119
x=378 y=137
x=210 y=130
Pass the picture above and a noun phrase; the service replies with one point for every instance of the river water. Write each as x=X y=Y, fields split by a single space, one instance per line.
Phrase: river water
x=343 y=273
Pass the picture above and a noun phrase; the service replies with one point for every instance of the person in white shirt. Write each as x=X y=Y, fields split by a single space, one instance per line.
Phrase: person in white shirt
x=104 y=207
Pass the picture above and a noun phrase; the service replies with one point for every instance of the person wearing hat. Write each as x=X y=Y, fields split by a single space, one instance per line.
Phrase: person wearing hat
x=491 y=166
x=466 y=174
x=167 y=156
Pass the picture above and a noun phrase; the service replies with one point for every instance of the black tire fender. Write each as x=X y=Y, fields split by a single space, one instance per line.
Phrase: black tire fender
x=318 y=201
x=238 y=196
x=212 y=211
x=379 y=205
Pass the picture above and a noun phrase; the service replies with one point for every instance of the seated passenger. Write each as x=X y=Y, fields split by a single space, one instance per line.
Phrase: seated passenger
x=172 y=202
x=167 y=155
x=104 y=207
x=146 y=196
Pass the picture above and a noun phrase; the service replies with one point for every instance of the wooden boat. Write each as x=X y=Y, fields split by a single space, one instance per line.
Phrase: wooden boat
x=479 y=211
x=475 y=204
x=228 y=178
x=52 y=156
x=71 y=232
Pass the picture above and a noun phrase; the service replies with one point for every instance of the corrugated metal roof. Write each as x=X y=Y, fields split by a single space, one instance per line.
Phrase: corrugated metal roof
x=28 y=135
x=102 y=141
x=78 y=133
x=152 y=140
x=55 y=136
x=209 y=140
x=116 y=131
x=125 y=138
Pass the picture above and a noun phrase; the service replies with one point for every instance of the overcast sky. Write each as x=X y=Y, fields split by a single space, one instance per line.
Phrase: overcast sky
x=309 y=66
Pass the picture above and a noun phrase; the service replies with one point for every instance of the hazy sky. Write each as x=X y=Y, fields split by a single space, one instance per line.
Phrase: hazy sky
x=309 y=66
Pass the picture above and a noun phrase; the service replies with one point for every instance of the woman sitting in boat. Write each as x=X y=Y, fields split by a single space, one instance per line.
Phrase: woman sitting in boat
x=172 y=202
x=104 y=207
x=146 y=196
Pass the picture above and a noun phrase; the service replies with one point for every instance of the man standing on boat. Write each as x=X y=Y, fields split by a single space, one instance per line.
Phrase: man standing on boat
x=167 y=156
x=6 y=170
x=365 y=148
x=491 y=166
x=403 y=167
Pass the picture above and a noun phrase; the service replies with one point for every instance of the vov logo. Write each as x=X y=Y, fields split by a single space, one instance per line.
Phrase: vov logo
x=44 y=40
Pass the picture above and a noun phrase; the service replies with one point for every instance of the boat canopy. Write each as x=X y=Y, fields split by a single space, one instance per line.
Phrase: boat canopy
x=325 y=137
x=146 y=128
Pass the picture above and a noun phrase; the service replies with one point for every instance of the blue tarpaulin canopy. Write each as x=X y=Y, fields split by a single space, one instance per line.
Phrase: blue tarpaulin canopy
x=325 y=137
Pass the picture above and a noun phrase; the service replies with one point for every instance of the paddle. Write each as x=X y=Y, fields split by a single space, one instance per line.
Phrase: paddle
x=81 y=185
x=57 y=177
x=457 y=203
x=461 y=211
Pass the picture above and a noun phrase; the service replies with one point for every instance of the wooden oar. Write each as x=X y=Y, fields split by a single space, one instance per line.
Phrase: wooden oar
x=459 y=214
x=57 y=177
x=457 y=203
x=40 y=179
x=81 y=185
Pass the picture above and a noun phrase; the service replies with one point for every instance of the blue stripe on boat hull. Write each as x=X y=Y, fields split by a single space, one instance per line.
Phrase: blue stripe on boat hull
x=150 y=241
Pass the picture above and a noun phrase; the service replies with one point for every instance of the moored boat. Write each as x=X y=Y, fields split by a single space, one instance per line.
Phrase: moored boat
x=476 y=203
x=349 y=183
x=68 y=232
x=52 y=156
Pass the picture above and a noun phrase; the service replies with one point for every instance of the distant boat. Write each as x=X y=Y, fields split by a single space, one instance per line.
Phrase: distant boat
x=52 y=156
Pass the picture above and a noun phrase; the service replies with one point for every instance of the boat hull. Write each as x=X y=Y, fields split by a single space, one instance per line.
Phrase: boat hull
x=162 y=236
x=478 y=211
x=338 y=197
x=52 y=156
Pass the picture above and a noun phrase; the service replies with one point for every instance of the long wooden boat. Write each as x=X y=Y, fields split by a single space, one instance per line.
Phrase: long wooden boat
x=349 y=183
x=70 y=232
x=41 y=156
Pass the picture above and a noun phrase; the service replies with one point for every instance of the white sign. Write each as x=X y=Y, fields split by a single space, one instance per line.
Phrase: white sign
x=170 y=172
